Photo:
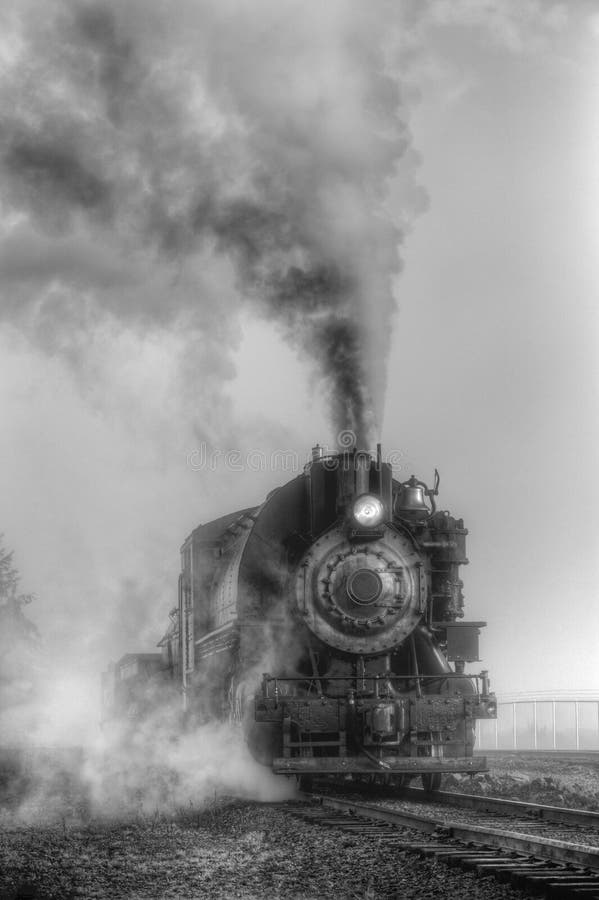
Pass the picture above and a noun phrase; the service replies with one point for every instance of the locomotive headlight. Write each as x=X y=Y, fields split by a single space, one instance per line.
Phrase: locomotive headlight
x=368 y=511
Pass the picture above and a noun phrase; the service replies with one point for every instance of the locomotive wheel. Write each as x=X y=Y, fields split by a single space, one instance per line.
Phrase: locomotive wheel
x=401 y=781
x=305 y=783
x=431 y=781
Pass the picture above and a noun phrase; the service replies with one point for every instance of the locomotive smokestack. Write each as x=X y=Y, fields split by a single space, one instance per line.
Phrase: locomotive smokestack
x=362 y=470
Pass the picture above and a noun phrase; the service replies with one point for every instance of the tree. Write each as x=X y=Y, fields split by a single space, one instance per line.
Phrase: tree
x=9 y=577
x=19 y=637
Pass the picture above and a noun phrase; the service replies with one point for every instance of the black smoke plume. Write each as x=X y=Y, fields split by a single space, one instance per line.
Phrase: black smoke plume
x=262 y=133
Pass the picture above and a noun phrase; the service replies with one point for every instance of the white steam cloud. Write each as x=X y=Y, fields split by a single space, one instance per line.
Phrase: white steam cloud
x=160 y=167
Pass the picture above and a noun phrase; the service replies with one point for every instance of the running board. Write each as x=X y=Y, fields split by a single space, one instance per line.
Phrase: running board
x=388 y=764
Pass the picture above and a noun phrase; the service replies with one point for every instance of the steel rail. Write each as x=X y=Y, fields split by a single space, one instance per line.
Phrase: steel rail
x=558 y=814
x=506 y=839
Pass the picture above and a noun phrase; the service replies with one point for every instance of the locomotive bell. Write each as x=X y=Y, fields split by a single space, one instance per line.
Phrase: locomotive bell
x=411 y=498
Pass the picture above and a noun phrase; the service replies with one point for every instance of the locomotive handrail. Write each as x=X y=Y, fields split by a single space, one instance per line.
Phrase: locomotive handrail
x=481 y=692
x=382 y=677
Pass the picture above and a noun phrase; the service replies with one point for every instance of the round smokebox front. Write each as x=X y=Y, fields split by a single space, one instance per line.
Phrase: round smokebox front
x=361 y=598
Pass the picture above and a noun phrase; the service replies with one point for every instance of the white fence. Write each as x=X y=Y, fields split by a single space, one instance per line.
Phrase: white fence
x=542 y=721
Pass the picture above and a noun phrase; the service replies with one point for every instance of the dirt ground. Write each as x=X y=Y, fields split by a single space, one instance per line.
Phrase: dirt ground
x=554 y=779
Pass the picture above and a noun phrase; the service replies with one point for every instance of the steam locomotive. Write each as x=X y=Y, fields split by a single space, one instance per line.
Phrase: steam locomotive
x=328 y=622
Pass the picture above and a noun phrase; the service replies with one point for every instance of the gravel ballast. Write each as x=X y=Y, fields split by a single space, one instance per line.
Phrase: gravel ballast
x=65 y=848
x=233 y=849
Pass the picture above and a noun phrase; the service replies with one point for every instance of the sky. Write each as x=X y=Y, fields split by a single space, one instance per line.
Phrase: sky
x=429 y=168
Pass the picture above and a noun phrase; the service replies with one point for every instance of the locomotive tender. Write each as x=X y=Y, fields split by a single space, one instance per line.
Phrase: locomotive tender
x=329 y=623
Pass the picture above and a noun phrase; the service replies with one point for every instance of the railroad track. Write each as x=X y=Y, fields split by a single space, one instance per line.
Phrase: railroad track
x=514 y=850
x=515 y=809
